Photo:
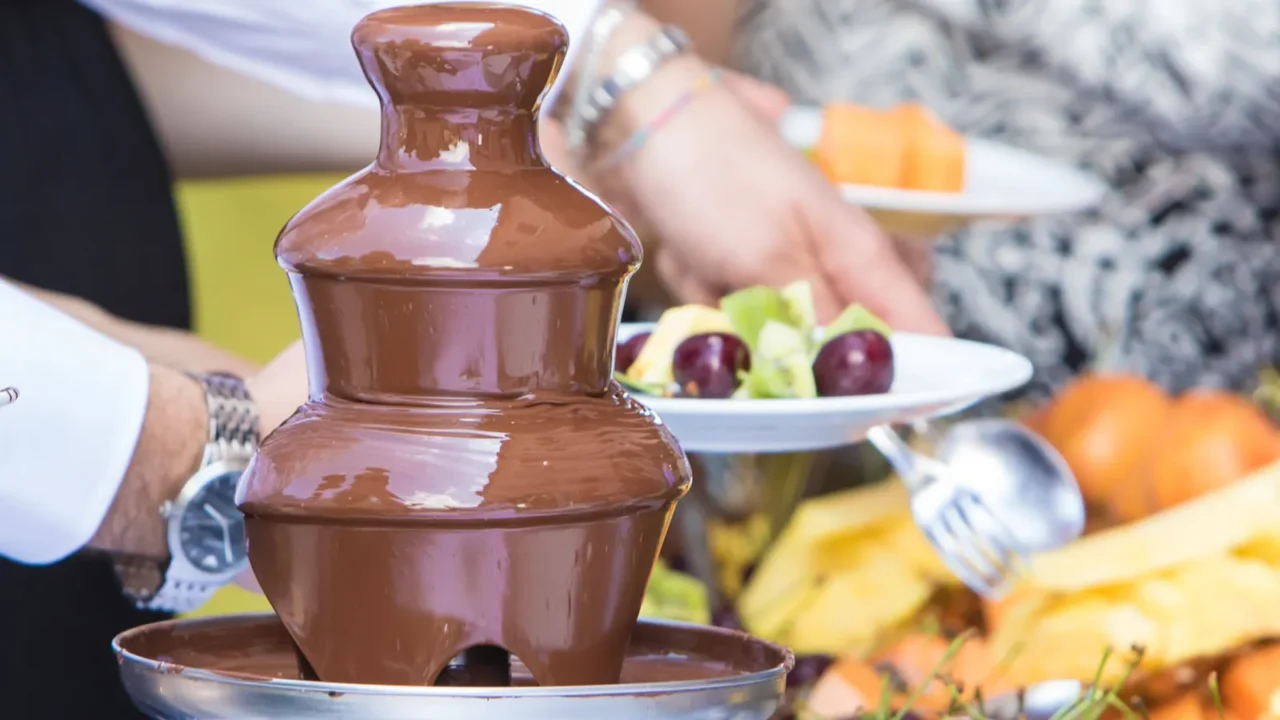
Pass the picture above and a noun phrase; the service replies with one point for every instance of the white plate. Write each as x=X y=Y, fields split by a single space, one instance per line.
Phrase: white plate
x=1000 y=182
x=932 y=376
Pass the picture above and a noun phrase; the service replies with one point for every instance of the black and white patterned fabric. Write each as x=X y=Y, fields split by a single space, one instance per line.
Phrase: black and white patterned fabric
x=1175 y=103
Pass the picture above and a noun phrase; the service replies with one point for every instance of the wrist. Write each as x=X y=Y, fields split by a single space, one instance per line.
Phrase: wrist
x=279 y=388
x=637 y=108
x=273 y=407
x=168 y=452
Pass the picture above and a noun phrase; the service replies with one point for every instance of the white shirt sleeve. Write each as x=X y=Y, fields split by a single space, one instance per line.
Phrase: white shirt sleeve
x=66 y=443
x=302 y=46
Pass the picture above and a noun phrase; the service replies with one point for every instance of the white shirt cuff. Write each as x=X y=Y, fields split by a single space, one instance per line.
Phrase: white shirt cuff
x=66 y=443
x=301 y=47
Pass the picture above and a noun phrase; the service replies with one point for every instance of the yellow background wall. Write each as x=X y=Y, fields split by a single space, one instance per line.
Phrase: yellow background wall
x=240 y=296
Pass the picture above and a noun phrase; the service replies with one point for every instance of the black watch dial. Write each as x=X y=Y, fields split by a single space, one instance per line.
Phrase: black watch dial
x=212 y=527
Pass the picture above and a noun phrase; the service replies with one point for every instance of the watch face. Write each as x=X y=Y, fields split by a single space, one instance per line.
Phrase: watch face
x=212 y=528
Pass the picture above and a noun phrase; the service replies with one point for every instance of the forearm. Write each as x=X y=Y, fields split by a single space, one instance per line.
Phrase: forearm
x=171 y=445
x=712 y=24
x=1198 y=74
x=174 y=348
x=634 y=110
x=100 y=437
x=168 y=452
x=255 y=86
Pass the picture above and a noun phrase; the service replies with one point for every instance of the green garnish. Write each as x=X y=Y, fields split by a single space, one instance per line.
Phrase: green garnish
x=751 y=309
x=780 y=366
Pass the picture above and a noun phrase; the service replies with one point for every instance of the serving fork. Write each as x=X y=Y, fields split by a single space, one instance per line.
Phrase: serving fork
x=996 y=494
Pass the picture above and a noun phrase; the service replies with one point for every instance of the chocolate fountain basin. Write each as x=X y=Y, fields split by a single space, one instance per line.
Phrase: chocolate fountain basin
x=244 y=667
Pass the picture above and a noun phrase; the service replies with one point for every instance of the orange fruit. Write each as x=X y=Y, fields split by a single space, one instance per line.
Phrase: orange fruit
x=1210 y=439
x=1104 y=426
x=1188 y=706
x=1250 y=682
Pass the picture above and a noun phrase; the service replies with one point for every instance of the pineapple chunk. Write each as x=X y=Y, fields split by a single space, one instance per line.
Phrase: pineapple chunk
x=1210 y=525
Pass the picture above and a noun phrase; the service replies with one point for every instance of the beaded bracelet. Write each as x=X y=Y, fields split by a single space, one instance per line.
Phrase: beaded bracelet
x=641 y=136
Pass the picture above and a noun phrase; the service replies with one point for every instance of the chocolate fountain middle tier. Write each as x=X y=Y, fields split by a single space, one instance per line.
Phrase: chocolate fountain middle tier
x=391 y=539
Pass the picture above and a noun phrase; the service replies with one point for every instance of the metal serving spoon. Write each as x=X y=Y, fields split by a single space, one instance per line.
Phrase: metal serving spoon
x=995 y=494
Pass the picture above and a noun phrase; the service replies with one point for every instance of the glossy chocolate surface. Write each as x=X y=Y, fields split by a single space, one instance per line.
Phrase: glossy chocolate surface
x=466 y=473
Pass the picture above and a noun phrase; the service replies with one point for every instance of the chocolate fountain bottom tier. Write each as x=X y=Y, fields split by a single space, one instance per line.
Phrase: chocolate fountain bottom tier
x=244 y=668
x=394 y=604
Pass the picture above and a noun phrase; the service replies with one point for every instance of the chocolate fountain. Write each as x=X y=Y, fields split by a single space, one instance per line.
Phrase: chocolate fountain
x=462 y=519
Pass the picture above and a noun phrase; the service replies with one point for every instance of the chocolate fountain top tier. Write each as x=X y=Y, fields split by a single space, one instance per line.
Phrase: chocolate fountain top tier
x=458 y=264
x=459 y=302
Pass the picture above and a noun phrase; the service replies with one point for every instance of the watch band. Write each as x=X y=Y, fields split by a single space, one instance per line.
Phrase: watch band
x=233 y=434
x=233 y=418
x=606 y=22
x=631 y=68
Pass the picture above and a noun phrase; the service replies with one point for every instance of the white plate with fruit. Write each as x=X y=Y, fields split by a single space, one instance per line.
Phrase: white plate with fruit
x=756 y=374
x=919 y=177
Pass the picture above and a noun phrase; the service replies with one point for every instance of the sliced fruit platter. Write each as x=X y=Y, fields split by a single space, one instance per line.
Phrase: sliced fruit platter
x=1168 y=608
x=757 y=374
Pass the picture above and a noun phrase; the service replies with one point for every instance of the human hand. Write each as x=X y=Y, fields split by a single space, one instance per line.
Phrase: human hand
x=769 y=103
x=735 y=206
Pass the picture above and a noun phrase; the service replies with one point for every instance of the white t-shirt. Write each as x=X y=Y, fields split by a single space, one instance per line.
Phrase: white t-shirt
x=66 y=443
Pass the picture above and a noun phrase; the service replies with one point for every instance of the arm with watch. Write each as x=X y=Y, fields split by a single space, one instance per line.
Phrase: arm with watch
x=107 y=451
x=173 y=529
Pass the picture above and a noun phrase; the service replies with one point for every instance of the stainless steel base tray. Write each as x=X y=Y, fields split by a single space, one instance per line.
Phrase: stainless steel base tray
x=167 y=684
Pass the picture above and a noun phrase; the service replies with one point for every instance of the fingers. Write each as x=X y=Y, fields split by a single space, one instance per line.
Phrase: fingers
x=826 y=302
x=862 y=265
x=917 y=254
x=768 y=102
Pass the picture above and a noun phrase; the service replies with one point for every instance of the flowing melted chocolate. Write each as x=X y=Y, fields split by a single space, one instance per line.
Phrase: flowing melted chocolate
x=466 y=479
x=259 y=648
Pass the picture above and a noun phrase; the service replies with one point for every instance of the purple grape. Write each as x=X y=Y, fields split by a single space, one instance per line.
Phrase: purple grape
x=855 y=363
x=808 y=669
x=627 y=352
x=707 y=365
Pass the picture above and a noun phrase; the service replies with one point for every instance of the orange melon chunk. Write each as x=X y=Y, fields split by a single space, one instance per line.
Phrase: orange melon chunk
x=861 y=146
x=934 y=159
x=907 y=148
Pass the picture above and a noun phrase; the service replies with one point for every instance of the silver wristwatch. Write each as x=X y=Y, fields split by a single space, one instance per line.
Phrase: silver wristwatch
x=205 y=529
